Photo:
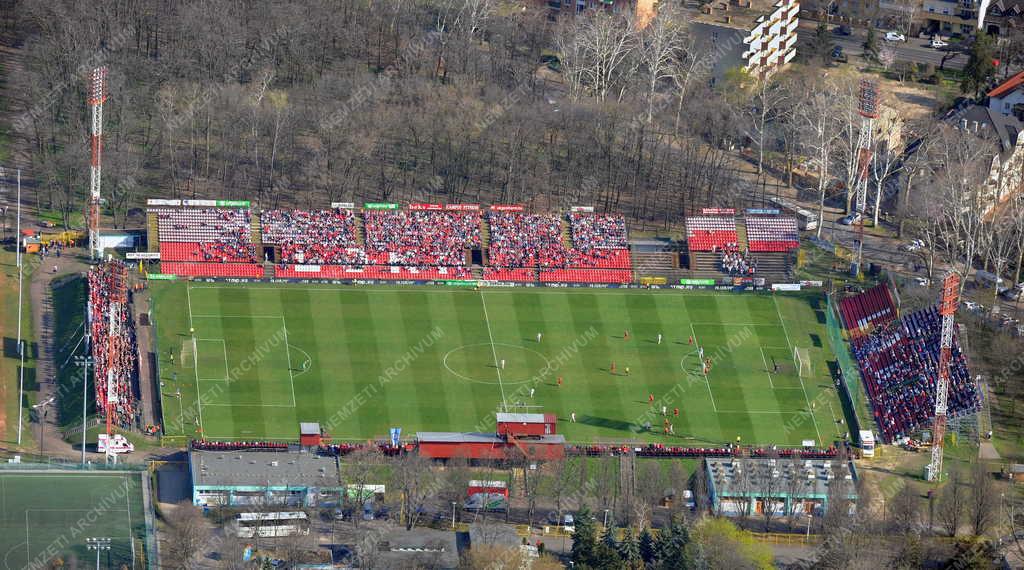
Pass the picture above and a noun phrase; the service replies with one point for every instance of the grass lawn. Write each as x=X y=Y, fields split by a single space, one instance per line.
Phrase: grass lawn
x=9 y=360
x=361 y=360
x=45 y=516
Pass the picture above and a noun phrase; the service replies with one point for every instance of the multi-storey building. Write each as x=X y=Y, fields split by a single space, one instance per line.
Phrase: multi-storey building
x=758 y=36
x=953 y=17
x=642 y=10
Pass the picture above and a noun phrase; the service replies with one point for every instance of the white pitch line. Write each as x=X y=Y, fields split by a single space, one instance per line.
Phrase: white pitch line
x=788 y=342
x=291 y=377
x=128 y=497
x=696 y=342
x=195 y=361
x=765 y=360
x=494 y=351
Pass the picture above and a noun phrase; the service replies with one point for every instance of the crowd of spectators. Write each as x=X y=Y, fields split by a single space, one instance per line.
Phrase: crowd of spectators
x=592 y=233
x=238 y=445
x=420 y=238
x=736 y=262
x=662 y=450
x=315 y=237
x=113 y=351
x=220 y=235
x=899 y=365
x=526 y=240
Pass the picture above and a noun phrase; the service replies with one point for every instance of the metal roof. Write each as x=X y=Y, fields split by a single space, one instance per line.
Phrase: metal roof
x=262 y=468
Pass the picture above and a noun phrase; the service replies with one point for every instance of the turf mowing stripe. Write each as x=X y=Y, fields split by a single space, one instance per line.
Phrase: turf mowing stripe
x=243 y=421
x=490 y=335
x=431 y=393
x=806 y=397
x=309 y=383
x=473 y=356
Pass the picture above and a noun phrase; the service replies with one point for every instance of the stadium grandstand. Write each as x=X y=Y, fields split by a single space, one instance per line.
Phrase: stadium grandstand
x=113 y=345
x=899 y=367
x=872 y=308
x=201 y=238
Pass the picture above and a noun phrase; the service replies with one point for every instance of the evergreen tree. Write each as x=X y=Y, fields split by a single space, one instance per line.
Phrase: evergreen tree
x=821 y=46
x=671 y=546
x=629 y=549
x=647 y=547
x=980 y=68
x=871 y=44
x=605 y=558
x=584 y=538
x=608 y=538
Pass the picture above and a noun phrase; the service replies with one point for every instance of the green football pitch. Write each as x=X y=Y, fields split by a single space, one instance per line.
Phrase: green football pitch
x=47 y=516
x=252 y=361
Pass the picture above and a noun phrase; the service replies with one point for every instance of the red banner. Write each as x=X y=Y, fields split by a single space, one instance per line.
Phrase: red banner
x=462 y=207
x=718 y=211
x=425 y=207
x=506 y=208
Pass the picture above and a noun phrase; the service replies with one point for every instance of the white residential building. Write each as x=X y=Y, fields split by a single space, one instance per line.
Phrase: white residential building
x=758 y=36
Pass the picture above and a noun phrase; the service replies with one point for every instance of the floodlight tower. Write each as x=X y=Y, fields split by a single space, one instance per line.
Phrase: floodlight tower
x=97 y=95
x=867 y=108
x=947 y=308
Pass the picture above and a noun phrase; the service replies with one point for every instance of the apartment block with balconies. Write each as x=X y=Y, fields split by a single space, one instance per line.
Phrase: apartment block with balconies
x=758 y=36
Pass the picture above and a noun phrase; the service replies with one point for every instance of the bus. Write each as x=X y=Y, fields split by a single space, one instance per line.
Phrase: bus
x=271 y=525
x=806 y=220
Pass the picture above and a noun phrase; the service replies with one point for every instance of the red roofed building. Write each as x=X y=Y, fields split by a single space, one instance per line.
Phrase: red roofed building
x=1008 y=97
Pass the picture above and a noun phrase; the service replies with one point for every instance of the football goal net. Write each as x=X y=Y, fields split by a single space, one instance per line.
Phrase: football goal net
x=803 y=361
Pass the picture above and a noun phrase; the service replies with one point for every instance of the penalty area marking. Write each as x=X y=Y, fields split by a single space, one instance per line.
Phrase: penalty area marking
x=444 y=361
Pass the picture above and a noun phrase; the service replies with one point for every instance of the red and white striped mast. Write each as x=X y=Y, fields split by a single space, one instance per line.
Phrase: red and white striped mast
x=97 y=95
x=947 y=308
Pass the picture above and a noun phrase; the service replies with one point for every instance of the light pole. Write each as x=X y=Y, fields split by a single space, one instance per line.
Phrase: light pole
x=453 y=515
x=606 y=518
x=98 y=544
x=810 y=516
x=84 y=362
x=21 y=346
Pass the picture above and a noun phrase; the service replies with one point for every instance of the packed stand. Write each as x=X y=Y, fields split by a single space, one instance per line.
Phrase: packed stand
x=874 y=307
x=420 y=238
x=238 y=445
x=662 y=450
x=220 y=235
x=113 y=351
x=315 y=237
x=709 y=233
x=772 y=234
x=526 y=240
x=600 y=241
x=899 y=365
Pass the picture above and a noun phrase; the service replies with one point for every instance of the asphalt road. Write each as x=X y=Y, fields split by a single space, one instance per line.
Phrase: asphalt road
x=914 y=50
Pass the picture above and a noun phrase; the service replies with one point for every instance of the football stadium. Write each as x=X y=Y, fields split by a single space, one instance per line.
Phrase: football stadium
x=435 y=317
x=461 y=329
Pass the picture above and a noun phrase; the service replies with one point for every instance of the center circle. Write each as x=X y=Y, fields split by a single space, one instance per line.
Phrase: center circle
x=481 y=362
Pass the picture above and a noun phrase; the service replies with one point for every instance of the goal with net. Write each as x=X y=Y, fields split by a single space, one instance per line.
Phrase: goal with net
x=803 y=361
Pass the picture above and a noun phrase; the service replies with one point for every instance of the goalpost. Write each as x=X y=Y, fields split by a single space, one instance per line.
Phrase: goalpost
x=803 y=361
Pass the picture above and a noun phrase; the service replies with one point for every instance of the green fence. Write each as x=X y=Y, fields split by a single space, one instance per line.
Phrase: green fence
x=849 y=390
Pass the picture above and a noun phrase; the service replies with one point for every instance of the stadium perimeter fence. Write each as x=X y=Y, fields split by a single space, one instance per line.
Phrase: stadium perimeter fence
x=849 y=389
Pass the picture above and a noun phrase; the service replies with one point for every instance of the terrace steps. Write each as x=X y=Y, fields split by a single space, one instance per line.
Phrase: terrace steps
x=485 y=233
x=566 y=234
x=741 y=234
x=360 y=231
x=269 y=270
x=255 y=232
x=152 y=232
x=477 y=271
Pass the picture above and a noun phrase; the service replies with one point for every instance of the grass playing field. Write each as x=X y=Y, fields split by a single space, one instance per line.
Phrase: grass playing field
x=265 y=357
x=46 y=516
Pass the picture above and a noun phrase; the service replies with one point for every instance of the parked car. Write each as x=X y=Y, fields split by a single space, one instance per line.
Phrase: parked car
x=914 y=245
x=842 y=30
x=850 y=219
x=895 y=37
x=569 y=523
x=837 y=52
x=937 y=43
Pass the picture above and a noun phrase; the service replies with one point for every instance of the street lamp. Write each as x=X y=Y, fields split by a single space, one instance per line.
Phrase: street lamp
x=810 y=516
x=84 y=361
x=453 y=515
x=98 y=544
x=606 y=518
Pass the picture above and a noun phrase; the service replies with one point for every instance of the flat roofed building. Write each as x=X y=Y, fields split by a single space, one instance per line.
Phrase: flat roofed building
x=243 y=477
x=737 y=484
